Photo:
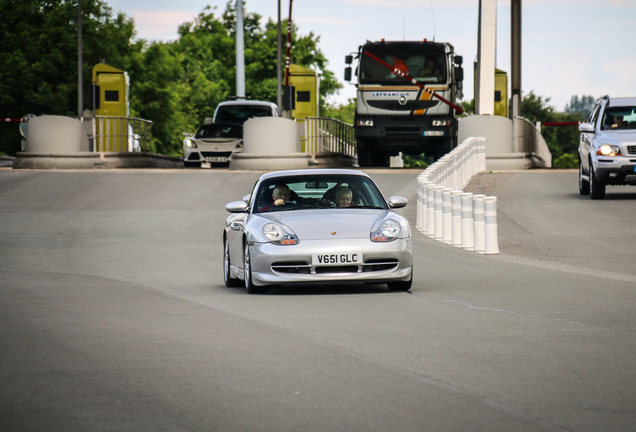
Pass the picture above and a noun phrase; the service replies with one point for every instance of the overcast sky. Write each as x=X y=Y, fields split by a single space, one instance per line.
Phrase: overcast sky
x=569 y=47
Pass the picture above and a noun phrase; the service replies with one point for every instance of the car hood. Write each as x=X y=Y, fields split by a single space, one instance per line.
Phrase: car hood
x=617 y=137
x=328 y=223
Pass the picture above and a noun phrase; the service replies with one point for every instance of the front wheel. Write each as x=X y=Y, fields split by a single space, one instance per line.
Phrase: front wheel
x=597 y=189
x=584 y=185
x=402 y=285
x=249 y=283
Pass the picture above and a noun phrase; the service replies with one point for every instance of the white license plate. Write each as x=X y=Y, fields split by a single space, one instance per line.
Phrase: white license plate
x=216 y=159
x=336 y=259
x=433 y=133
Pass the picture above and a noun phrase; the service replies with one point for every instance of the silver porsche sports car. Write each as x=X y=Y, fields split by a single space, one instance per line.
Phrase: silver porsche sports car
x=316 y=226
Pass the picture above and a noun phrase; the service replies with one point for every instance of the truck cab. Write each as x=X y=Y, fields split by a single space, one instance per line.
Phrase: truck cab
x=394 y=115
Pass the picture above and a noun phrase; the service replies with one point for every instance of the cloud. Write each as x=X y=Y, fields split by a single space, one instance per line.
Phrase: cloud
x=410 y=3
x=160 y=25
x=328 y=21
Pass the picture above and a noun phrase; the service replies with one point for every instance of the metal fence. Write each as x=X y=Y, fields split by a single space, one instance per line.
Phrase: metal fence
x=121 y=134
x=324 y=135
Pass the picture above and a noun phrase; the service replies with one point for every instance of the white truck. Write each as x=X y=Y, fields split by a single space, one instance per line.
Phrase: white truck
x=395 y=108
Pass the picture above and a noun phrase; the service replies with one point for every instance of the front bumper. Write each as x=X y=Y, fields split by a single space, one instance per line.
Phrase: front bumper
x=615 y=170
x=382 y=262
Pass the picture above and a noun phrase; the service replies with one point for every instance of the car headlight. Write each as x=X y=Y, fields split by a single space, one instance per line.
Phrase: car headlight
x=388 y=231
x=608 y=150
x=276 y=234
x=441 y=122
x=365 y=122
x=190 y=143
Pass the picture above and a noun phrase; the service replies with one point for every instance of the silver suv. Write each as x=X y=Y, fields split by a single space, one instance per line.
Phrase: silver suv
x=607 y=149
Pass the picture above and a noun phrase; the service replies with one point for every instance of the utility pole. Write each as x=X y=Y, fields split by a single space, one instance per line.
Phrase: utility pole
x=515 y=56
x=280 y=69
x=240 y=55
x=80 y=63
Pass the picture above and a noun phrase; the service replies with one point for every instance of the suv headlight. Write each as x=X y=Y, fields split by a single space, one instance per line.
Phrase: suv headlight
x=365 y=122
x=276 y=234
x=441 y=122
x=608 y=150
x=388 y=231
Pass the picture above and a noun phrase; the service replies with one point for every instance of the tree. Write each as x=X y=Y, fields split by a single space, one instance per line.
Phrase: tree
x=582 y=106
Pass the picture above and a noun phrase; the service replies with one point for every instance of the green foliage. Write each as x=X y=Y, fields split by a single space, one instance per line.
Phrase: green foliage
x=344 y=113
x=566 y=160
x=560 y=139
x=422 y=161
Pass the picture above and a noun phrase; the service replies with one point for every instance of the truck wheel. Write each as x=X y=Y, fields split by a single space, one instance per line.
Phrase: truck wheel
x=381 y=159
x=364 y=156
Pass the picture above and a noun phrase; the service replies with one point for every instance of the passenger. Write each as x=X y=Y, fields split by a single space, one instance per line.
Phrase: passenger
x=344 y=196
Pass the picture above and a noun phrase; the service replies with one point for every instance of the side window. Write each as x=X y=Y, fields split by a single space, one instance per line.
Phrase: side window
x=595 y=114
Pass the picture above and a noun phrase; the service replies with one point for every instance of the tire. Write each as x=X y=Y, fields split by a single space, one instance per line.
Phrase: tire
x=191 y=164
x=227 y=278
x=249 y=283
x=381 y=159
x=584 y=185
x=364 y=155
x=597 y=189
x=402 y=285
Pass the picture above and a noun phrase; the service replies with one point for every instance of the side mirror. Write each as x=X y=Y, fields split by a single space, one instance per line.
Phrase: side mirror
x=459 y=74
x=186 y=134
x=397 y=202
x=349 y=59
x=459 y=60
x=207 y=120
x=247 y=197
x=586 y=127
x=347 y=76
x=237 y=207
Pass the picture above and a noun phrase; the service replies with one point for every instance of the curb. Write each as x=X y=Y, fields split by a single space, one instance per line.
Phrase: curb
x=92 y=160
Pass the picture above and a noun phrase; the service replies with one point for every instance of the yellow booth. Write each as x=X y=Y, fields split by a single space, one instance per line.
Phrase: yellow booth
x=110 y=99
x=305 y=84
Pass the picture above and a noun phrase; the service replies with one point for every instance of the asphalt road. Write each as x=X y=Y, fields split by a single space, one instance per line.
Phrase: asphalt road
x=114 y=316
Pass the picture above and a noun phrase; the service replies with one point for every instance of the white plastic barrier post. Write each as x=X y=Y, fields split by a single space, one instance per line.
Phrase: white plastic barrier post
x=437 y=233
x=478 y=222
x=490 y=215
x=456 y=236
x=430 y=210
x=447 y=216
x=422 y=181
x=468 y=235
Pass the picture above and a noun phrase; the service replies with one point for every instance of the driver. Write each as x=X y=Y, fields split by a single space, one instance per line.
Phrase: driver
x=280 y=194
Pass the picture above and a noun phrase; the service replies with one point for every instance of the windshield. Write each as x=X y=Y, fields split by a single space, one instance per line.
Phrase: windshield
x=317 y=191
x=619 y=118
x=239 y=114
x=214 y=130
x=425 y=67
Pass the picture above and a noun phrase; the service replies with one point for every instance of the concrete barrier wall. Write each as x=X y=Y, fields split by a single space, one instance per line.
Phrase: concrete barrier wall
x=446 y=213
x=270 y=135
x=56 y=134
